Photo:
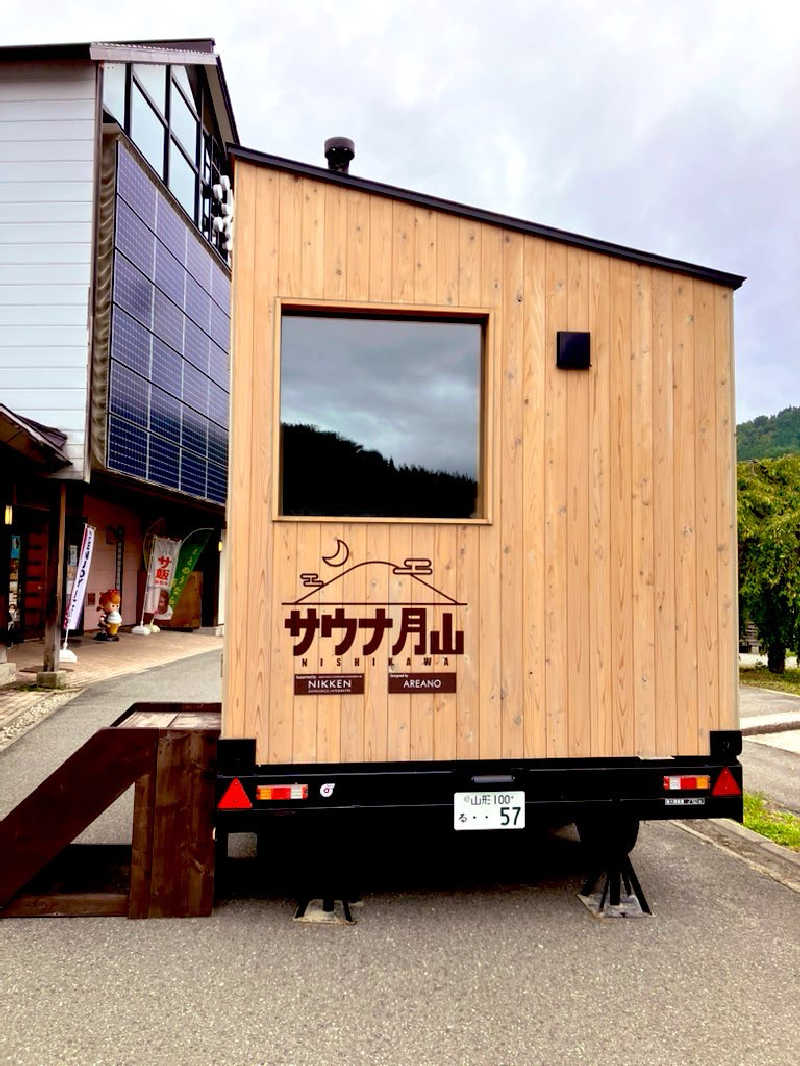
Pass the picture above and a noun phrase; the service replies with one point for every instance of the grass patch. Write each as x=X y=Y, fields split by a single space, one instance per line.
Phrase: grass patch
x=761 y=676
x=780 y=826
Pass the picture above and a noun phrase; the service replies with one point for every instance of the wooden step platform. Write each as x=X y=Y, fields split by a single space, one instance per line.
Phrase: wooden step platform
x=168 y=751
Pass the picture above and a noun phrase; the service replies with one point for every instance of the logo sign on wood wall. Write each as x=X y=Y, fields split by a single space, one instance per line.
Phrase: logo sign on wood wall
x=328 y=684
x=422 y=682
x=418 y=628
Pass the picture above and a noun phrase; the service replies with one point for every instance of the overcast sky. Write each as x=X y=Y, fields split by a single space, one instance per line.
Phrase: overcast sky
x=408 y=390
x=671 y=127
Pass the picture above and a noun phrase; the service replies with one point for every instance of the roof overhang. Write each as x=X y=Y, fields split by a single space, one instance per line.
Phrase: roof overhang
x=198 y=51
x=476 y=214
x=43 y=446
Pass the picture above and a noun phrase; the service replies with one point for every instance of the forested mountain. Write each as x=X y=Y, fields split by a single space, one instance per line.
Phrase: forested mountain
x=769 y=436
x=325 y=474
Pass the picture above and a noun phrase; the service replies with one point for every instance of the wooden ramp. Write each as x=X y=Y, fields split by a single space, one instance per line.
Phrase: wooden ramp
x=169 y=752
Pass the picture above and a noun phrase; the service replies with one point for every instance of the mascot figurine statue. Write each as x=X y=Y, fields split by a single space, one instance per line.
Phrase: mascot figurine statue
x=110 y=619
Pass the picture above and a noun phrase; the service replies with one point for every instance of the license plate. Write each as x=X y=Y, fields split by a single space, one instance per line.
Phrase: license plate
x=489 y=810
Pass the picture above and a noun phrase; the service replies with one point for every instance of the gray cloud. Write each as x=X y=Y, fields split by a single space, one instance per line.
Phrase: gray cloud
x=669 y=127
x=408 y=390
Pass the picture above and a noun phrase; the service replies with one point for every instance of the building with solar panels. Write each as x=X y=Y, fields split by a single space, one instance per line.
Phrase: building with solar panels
x=115 y=315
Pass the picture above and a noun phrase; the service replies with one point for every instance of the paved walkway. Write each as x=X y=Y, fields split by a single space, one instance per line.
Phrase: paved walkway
x=22 y=705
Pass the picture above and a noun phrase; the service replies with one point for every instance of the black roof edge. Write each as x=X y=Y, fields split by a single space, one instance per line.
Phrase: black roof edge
x=452 y=207
x=29 y=52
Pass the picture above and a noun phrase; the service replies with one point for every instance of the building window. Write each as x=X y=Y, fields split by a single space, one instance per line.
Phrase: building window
x=147 y=130
x=152 y=77
x=169 y=106
x=380 y=416
x=183 y=121
x=114 y=91
x=182 y=179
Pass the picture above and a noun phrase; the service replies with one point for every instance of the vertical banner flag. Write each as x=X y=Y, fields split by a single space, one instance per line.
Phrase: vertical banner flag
x=72 y=616
x=159 y=575
x=187 y=560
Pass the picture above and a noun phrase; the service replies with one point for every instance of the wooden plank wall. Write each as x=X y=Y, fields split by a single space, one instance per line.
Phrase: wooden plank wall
x=601 y=599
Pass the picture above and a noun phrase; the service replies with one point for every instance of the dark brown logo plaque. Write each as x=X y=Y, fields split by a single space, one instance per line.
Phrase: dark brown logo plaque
x=430 y=682
x=329 y=684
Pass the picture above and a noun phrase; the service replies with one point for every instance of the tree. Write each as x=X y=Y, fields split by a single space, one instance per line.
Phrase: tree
x=769 y=436
x=769 y=552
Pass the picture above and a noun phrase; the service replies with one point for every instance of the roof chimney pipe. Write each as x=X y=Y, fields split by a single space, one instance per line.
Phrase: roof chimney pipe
x=339 y=151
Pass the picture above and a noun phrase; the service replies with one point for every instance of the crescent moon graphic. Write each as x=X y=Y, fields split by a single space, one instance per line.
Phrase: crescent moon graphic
x=340 y=556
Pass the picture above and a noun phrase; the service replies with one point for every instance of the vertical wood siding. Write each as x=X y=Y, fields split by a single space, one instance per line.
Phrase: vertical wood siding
x=600 y=601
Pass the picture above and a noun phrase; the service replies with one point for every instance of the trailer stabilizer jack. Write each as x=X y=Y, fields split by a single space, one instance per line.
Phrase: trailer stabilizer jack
x=324 y=911
x=603 y=893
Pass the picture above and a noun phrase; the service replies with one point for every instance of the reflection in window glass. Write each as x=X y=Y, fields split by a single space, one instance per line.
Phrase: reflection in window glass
x=182 y=78
x=181 y=179
x=153 y=77
x=147 y=131
x=182 y=122
x=114 y=90
x=380 y=417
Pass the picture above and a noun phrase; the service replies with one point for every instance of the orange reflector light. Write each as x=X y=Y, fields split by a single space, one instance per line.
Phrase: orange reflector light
x=281 y=792
x=234 y=798
x=687 y=783
x=725 y=785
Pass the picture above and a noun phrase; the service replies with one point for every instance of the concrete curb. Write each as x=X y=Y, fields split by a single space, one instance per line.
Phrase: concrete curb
x=760 y=854
x=769 y=724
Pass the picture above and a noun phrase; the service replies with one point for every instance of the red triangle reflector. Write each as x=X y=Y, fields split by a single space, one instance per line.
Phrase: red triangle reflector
x=234 y=798
x=725 y=785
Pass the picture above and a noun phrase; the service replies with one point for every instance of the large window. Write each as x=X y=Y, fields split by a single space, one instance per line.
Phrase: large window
x=380 y=416
x=167 y=113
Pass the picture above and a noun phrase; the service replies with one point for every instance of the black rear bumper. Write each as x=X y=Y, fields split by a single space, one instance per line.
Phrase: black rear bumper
x=556 y=790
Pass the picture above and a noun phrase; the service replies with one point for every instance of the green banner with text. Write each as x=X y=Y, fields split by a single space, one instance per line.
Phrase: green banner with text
x=187 y=560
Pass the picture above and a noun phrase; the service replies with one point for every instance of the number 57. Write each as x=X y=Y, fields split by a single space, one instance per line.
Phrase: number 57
x=505 y=817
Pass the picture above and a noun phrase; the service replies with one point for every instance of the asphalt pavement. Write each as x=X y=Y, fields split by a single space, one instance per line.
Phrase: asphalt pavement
x=772 y=771
x=476 y=955
x=770 y=759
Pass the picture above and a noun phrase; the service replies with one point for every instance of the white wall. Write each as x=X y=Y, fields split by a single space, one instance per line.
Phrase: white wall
x=47 y=124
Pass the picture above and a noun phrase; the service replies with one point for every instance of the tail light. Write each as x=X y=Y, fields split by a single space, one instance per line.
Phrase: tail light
x=687 y=783
x=282 y=792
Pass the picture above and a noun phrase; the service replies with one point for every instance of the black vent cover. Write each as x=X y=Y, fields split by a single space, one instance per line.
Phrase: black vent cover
x=572 y=351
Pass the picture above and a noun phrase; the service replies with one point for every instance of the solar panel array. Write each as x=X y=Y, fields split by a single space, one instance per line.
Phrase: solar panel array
x=170 y=323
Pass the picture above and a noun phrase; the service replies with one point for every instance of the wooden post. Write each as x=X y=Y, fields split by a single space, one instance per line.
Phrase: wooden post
x=55 y=581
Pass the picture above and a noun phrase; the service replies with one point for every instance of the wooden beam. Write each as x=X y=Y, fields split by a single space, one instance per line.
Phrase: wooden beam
x=68 y=905
x=69 y=800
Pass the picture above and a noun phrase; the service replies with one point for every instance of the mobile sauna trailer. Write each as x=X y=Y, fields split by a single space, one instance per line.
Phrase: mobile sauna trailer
x=482 y=517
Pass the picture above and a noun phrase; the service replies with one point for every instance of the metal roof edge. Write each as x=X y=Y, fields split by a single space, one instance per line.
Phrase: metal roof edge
x=452 y=207
x=145 y=53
